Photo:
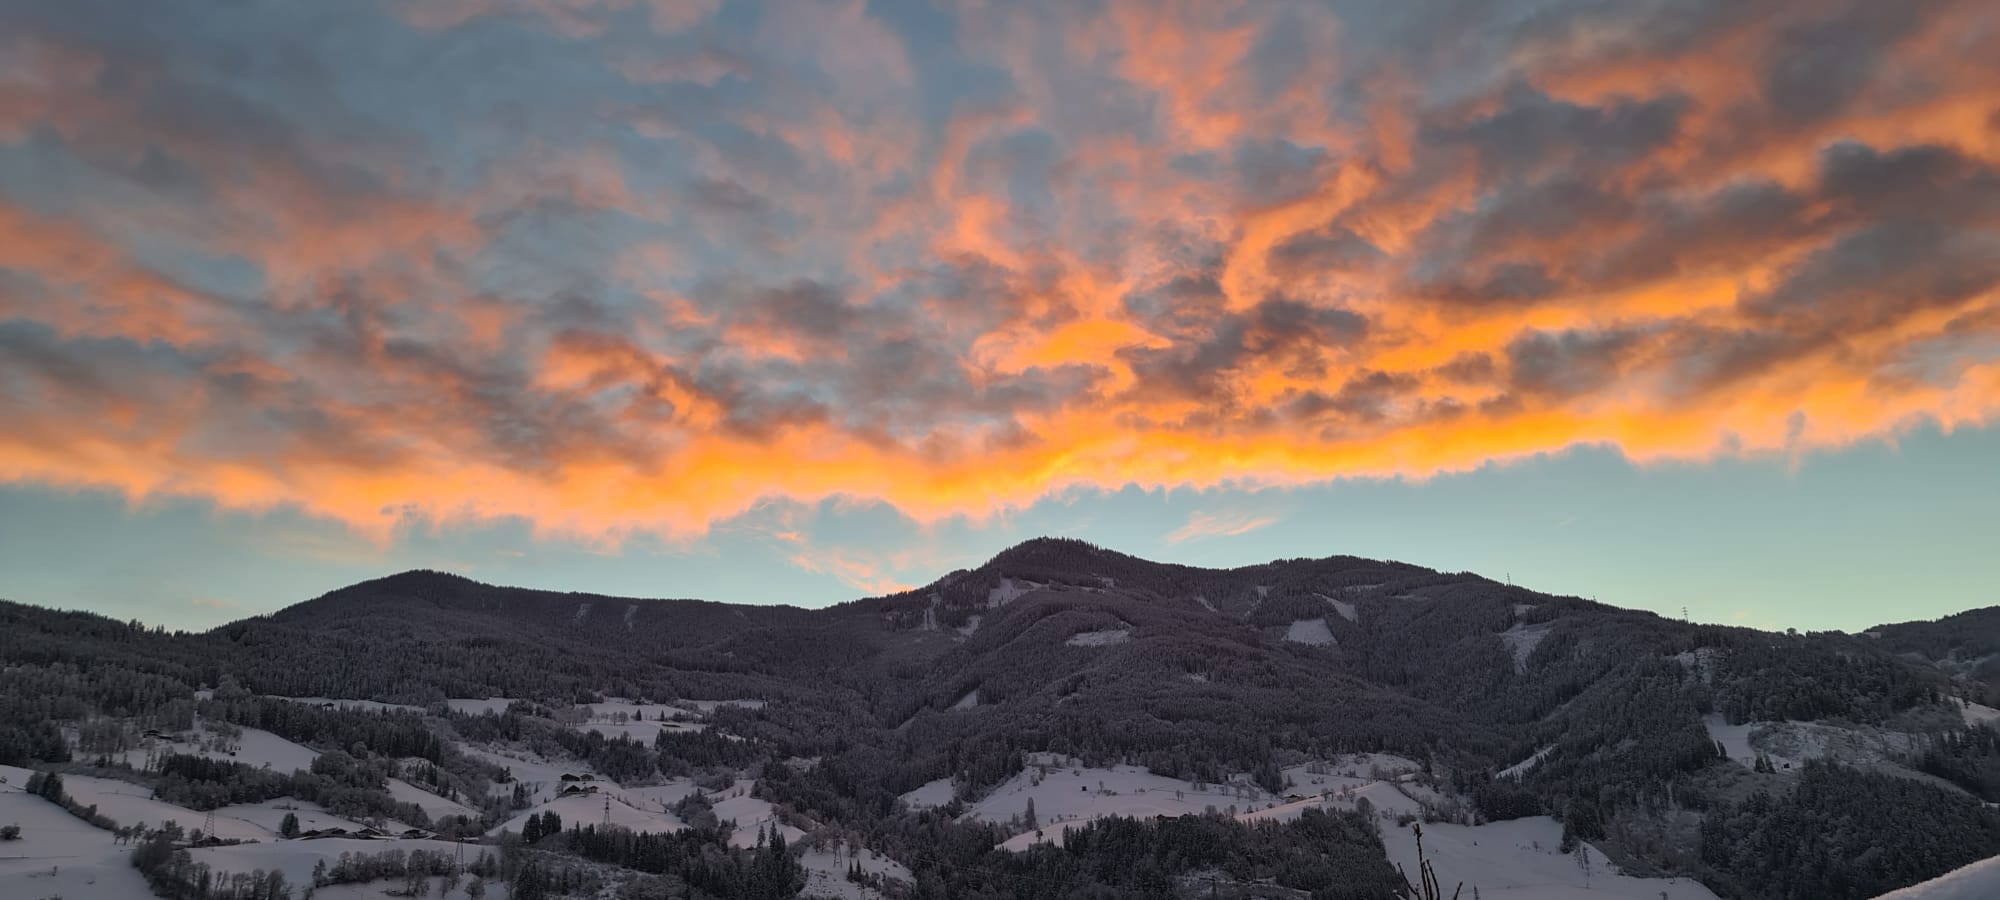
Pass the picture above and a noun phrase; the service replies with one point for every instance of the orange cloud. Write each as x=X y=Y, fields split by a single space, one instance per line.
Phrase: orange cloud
x=1202 y=525
x=1168 y=252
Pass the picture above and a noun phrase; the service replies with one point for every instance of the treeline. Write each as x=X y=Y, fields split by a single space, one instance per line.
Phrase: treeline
x=1969 y=758
x=346 y=786
x=1328 y=855
x=698 y=857
x=392 y=733
x=1843 y=833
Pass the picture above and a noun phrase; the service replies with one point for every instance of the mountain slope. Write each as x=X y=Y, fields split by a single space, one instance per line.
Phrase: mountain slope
x=1507 y=704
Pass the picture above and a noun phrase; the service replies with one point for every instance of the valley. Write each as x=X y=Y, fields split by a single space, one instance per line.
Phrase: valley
x=1062 y=719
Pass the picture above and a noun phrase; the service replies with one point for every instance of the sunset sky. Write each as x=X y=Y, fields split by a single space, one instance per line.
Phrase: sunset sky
x=1675 y=303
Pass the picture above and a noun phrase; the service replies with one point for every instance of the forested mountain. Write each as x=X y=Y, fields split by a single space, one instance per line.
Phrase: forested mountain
x=1059 y=655
x=1966 y=644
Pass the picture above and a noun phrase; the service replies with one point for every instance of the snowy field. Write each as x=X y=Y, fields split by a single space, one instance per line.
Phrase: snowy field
x=254 y=747
x=1518 y=860
x=270 y=814
x=433 y=805
x=59 y=854
x=734 y=804
x=130 y=804
x=593 y=809
x=1073 y=795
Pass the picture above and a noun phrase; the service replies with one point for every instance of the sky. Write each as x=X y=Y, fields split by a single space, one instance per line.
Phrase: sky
x=1678 y=304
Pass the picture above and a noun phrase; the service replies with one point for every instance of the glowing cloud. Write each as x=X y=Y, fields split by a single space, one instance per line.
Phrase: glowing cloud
x=672 y=260
x=1204 y=525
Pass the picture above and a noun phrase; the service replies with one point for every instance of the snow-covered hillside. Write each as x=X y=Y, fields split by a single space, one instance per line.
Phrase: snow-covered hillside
x=1979 y=881
x=1519 y=860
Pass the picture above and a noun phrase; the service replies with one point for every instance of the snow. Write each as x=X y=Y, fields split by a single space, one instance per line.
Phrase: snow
x=131 y=804
x=1521 y=640
x=1978 y=881
x=255 y=747
x=826 y=872
x=1521 y=768
x=1069 y=795
x=970 y=627
x=641 y=721
x=297 y=858
x=1700 y=661
x=1976 y=714
x=1263 y=590
x=270 y=815
x=662 y=796
x=1009 y=591
x=58 y=854
x=1789 y=744
x=930 y=613
x=1386 y=800
x=1344 y=608
x=1735 y=739
x=432 y=804
x=970 y=700
x=543 y=776
x=1312 y=632
x=1102 y=638
x=1204 y=603
x=750 y=814
x=1518 y=860
x=592 y=808
x=933 y=793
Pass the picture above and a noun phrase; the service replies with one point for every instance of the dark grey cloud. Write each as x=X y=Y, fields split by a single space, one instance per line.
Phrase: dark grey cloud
x=1818 y=69
x=1328 y=250
x=1532 y=134
x=1558 y=365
